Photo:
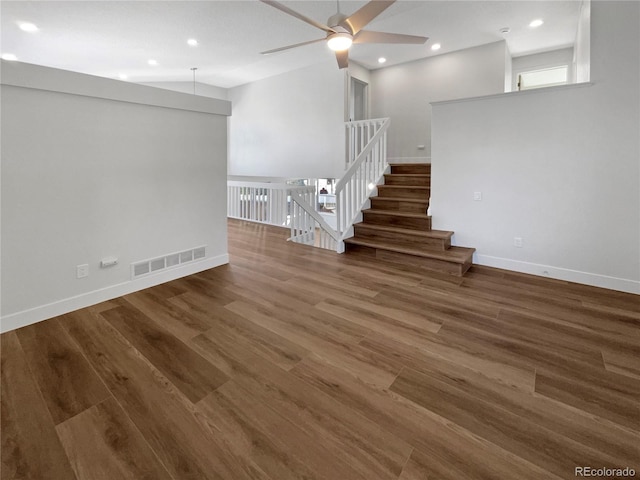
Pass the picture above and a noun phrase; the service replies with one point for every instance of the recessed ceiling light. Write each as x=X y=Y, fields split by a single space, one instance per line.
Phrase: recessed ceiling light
x=435 y=46
x=505 y=30
x=152 y=62
x=382 y=60
x=9 y=56
x=28 y=27
x=536 y=23
x=193 y=42
x=123 y=76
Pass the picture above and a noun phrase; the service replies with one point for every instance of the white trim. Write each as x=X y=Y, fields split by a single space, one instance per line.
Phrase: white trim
x=534 y=91
x=60 y=307
x=409 y=160
x=272 y=186
x=585 y=278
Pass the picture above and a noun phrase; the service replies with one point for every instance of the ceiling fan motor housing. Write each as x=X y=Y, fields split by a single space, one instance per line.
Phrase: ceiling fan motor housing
x=337 y=22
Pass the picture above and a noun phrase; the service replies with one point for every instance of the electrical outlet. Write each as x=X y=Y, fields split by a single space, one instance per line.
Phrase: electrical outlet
x=82 y=271
x=477 y=196
x=517 y=242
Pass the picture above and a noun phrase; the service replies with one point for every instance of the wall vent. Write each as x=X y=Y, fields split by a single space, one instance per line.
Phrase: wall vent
x=154 y=265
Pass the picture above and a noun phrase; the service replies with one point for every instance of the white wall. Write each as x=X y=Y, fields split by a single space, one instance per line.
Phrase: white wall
x=404 y=93
x=202 y=89
x=289 y=125
x=93 y=168
x=559 y=167
x=539 y=61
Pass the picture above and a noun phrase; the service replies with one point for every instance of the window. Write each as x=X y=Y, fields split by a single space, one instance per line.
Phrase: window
x=547 y=77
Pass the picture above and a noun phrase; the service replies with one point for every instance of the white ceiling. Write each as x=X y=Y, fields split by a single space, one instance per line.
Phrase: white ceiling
x=107 y=38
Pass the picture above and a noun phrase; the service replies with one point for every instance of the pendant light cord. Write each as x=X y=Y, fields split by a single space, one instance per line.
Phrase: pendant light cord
x=193 y=69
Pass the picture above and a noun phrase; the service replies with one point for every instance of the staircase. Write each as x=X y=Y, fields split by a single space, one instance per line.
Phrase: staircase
x=397 y=229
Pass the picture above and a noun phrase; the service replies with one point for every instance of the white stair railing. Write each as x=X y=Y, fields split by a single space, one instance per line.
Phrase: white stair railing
x=359 y=134
x=308 y=226
x=292 y=206
x=364 y=172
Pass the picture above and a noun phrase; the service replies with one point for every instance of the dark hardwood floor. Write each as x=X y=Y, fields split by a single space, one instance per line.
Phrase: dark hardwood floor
x=297 y=363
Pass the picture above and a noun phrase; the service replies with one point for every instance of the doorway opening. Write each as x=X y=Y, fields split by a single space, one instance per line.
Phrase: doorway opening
x=358 y=101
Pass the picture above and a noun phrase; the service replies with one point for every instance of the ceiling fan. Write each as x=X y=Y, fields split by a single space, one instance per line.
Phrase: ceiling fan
x=342 y=31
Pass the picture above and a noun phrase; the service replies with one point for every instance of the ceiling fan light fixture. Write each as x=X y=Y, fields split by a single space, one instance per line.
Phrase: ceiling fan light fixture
x=339 y=41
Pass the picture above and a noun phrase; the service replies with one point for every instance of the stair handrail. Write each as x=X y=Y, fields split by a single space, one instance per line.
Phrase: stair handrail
x=359 y=133
x=352 y=190
x=304 y=221
x=295 y=196
x=362 y=155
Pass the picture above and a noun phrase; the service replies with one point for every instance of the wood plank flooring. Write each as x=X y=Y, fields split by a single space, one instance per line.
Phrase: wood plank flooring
x=297 y=363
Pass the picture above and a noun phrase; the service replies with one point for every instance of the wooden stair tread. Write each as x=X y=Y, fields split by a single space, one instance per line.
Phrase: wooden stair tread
x=413 y=175
x=396 y=213
x=421 y=187
x=442 y=234
x=410 y=164
x=402 y=199
x=459 y=255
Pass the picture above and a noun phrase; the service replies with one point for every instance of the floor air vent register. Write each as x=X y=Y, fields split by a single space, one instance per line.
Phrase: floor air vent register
x=172 y=260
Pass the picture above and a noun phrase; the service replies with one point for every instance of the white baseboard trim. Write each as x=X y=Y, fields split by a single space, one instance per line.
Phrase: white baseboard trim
x=595 y=280
x=409 y=159
x=60 y=307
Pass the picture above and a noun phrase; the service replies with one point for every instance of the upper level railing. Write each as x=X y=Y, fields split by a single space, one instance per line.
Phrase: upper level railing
x=264 y=202
x=282 y=205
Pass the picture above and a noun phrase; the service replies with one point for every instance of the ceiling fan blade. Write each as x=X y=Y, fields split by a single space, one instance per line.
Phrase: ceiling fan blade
x=367 y=36
x=362 y=17
x=343 y=58
x=299 y=16
x=276 y=50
